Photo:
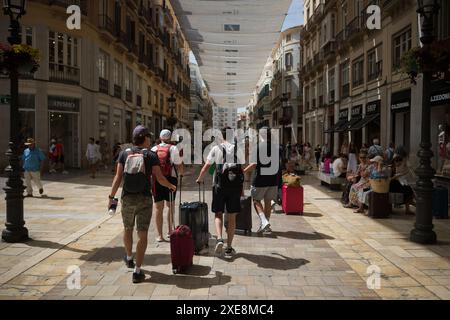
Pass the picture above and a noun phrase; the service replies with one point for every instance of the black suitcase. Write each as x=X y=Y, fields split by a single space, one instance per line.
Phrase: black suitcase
x=244 y=218
x=379 y=205
x=195 y=216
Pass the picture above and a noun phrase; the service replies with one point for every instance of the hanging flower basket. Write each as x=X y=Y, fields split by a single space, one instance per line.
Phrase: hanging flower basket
x=434 y=58
x=20 y=57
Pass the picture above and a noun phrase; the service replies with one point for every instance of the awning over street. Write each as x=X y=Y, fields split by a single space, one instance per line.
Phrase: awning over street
x=337 y=126
x=231 y=41
x=364 y=122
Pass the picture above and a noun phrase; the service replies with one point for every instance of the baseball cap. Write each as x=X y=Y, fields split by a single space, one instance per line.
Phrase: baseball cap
x=165 y=134
x=141 y=131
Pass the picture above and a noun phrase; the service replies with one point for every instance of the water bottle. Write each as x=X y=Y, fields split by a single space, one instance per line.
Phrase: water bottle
x=113 y=207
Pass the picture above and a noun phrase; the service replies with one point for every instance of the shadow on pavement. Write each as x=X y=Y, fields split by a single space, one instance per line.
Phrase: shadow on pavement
x=52 y=245
x=299 y=235
x=190 y=280
x=312 y=214
x=49 y=198
x=270 y=262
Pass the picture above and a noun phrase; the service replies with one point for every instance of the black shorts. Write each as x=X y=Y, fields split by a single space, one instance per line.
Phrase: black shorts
x=226 y=200
x=161 y=193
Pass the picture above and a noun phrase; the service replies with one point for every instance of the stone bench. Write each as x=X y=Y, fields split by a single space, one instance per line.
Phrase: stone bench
x=335 y=183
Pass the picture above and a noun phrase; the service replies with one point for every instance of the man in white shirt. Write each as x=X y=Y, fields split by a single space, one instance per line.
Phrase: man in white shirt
x=171 y=167
x=340 y=166
x=228 y=182
x=91 y=156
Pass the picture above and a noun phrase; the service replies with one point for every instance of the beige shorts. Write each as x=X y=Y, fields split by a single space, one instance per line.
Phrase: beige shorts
x=264 y=193
x=137 y=210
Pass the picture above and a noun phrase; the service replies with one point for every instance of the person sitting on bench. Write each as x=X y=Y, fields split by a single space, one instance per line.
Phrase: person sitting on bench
x=340 y=166
x=402 y=179
x=359 y=186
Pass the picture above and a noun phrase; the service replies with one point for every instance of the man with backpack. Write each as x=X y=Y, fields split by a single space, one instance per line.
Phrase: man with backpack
x=171 y=167
x=135 y=166
x=228 y=181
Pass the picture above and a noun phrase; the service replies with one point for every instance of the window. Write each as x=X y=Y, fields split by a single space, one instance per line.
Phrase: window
x=149 y=96
x=27 y=35
x=103 y=65
x=333 y=26
x=345 y=79
x=401 y=44
x=320 y=92
x=289 y=86
x=129 y=80
x=358 y=72
x=344 y=15
x=117 y=73
x=232 y=27
x=63 y=50
x=331 y=85
x=374 y=64
x=156 y=95
x=289 y=61
x=138 y=85
x=288 y=38
x=161 y=101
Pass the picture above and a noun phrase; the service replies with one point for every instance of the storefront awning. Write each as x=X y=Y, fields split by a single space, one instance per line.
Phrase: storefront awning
x=337 y=126
x=364 y=122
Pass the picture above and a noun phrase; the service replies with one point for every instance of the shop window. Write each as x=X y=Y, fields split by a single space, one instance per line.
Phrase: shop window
x=374 y=64
x=401 y=44
x=358 y=72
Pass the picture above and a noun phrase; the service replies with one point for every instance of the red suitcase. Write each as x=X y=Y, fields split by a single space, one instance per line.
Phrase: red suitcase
x=181 y=249
x=292 y=200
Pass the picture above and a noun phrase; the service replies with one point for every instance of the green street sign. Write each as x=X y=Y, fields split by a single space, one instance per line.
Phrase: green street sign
x=5 y=99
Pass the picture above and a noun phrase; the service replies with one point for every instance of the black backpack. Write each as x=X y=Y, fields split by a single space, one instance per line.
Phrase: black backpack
x=229 y=175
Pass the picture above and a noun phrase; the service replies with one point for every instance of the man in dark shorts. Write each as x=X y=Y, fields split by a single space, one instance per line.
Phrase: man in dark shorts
x=136 y=166
x=171 y=167
x=225 y=199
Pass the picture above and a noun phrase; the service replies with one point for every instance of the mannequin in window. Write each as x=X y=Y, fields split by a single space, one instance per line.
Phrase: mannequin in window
x=442 y=148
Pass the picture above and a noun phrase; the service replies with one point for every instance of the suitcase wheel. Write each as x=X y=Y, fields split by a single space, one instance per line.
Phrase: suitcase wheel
x=175 y=271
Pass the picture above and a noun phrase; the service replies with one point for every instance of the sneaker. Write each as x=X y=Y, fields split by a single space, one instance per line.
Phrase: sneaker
x=268 y=230
x=263 y=227
x=219 y=247
x=41 y=191
x=129 y=263
x=138 y=277
x=229 y=252
x=159 y=239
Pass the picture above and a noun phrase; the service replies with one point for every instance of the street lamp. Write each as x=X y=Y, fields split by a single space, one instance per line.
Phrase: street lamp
x=15 y=224
x=172 y=121
x=423 y=229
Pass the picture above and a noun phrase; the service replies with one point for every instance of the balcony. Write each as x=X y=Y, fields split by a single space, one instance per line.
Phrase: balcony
x=106 y=26
x=64 y=74
x=329 y=50
x=117 y=91
x=341 y=40
x=331 y=97
x=128 y=96
x=103 y=85
x=318 y=14
x=354 y=29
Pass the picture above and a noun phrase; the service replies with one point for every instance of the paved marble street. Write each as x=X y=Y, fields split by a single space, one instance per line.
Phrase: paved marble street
x=324 y=254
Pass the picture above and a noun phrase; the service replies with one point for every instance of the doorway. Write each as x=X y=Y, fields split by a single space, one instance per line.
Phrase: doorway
x=64 y=126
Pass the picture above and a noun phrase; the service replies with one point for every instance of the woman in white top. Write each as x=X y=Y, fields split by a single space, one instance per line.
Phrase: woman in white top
x=402 y=181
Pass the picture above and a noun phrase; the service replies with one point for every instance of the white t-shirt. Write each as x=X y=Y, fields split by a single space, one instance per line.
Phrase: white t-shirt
x=338 y=167
x=175 y=157
x=91 y=152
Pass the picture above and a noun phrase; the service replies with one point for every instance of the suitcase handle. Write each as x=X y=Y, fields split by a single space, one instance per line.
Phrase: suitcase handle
x=199 y=192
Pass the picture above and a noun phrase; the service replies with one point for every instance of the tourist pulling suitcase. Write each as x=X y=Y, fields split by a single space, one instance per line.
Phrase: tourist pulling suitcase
x=195 y=216
x=244 y=218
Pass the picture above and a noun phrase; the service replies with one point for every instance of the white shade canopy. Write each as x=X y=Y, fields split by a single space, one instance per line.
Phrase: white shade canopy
x=231 y=40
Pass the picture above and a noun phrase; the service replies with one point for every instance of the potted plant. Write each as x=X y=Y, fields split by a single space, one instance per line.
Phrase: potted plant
x=20 y=57
x=434 y=58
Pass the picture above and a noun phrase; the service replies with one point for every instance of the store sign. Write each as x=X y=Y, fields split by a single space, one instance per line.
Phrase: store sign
x=357 y=111
x=440 y=98
x=401 y=100
x=63 y=104
x=373 y=107
x=343 y=114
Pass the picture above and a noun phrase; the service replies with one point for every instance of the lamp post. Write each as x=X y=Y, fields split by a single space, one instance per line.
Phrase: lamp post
x=172 y=121
x=423 y=229
x=15 y=225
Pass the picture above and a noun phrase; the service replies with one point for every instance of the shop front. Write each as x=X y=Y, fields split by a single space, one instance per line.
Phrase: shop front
x=64 y=117
x=356 y=133
x=370 y=122
x=401 y=118
x=440 y=124
x=338 y=128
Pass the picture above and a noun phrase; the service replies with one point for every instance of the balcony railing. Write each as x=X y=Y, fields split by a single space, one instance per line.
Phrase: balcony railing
x=128 y=95
x=354 y=28
x=103 y=85
x=64 y=74
x=117 y=91
x=105 y=23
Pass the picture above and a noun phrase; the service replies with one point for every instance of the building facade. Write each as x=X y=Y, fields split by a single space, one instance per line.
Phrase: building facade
x=354 y=87
x=286 y=61
x=116 y=72
x=224 y=117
